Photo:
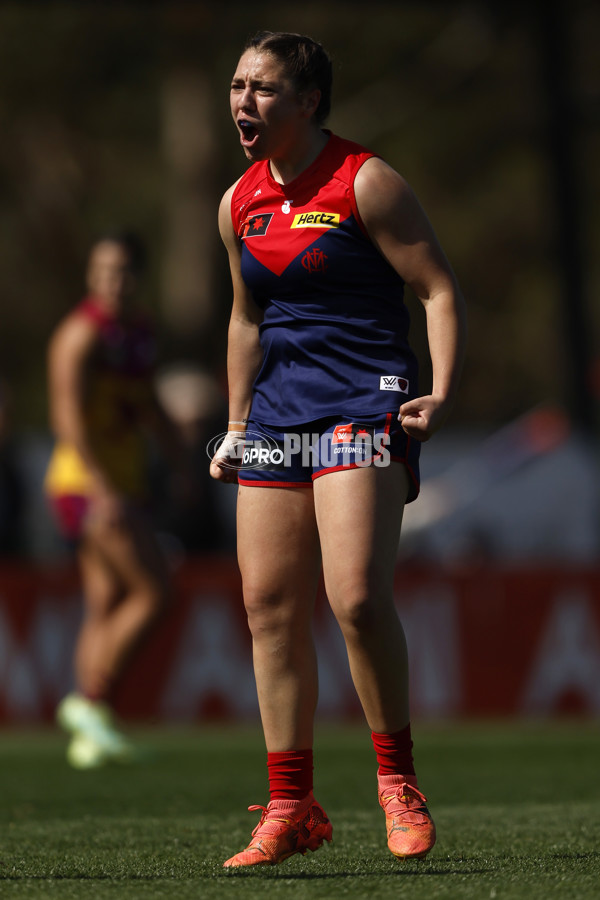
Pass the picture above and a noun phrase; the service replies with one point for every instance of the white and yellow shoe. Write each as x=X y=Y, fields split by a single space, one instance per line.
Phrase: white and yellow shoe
x=95 y=739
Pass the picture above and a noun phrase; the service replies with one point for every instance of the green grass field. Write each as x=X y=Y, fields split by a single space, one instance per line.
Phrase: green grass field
x=517 y=809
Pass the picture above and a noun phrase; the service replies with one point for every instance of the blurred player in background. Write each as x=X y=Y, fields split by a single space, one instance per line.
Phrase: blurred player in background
x=321 y=236
x=102 y=402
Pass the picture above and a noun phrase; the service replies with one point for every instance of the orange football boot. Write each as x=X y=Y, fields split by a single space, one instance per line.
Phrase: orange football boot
x=286 y=827
x=410 y=828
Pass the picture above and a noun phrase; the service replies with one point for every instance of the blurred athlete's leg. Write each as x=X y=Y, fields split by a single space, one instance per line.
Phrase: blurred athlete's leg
x=126 y=588
x=124 y=579
x=102 y=591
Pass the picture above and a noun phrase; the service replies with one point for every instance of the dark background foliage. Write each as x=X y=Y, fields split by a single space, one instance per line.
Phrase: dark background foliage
x=118 y=113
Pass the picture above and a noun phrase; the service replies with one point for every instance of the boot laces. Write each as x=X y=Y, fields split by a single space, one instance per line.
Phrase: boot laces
x=404 y=798
x=270 y=821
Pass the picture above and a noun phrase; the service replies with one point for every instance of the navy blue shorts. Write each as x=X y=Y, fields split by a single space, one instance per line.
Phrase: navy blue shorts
x=296 y=455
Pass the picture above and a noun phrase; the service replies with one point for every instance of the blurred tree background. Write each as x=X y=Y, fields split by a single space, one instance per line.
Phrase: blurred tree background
x=118 y=114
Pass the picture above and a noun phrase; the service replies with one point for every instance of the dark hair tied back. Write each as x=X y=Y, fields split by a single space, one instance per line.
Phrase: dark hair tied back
x=131 y=242
x=304 y=60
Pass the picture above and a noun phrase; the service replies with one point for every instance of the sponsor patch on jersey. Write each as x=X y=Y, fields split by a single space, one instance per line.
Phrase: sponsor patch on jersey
x=316 y=220
x=351 y=444
x=255 y=226
x=393 y=383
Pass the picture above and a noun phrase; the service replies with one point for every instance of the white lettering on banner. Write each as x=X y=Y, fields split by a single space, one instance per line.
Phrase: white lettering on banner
x=39 y=668
x=211 y=661
x=567 y=658
x=430 y=622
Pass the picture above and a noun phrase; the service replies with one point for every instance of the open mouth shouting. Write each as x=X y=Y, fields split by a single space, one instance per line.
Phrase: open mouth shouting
x=248 y=132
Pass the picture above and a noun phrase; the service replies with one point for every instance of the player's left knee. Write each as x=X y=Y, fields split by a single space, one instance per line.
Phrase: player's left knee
x=357 y=611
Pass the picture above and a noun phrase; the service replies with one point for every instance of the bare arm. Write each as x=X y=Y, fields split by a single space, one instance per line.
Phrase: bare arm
x=244 y=353
x=400 y=230
x=69 y=355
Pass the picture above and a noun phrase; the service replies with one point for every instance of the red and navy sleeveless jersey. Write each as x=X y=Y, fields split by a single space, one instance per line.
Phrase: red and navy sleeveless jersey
x=125 y=346
x=334 y=333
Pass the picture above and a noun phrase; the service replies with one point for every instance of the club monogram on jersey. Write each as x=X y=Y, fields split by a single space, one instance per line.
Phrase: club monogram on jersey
x=315 y=260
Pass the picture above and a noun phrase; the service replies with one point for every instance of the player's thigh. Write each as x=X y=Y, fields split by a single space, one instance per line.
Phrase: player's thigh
x=277 y=539
x=359 y=516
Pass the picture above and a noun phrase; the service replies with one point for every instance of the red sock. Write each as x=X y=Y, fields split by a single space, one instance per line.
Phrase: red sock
x=394 y=752
x=290 y=774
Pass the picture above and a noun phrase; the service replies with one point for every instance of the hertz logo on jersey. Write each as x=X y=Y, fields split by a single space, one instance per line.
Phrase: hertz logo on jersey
x=316 y=220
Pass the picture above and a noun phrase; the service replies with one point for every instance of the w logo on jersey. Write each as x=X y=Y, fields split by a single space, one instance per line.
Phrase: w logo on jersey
x=315 y=260
x=393 y=383
x=255 y=226
x=343 y=433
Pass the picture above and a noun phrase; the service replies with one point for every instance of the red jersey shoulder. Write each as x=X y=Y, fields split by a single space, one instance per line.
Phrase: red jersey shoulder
x=349 y=157
x=339 y=161
x=277 y=222
x=93 y=312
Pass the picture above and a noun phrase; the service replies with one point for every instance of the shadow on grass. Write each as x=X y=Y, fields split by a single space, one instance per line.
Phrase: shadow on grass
x=324 y=876
x=279 y=876
x=266 y=873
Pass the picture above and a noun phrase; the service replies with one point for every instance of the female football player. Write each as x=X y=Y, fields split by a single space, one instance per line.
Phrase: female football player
x=101 y=362
x=322 y=235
